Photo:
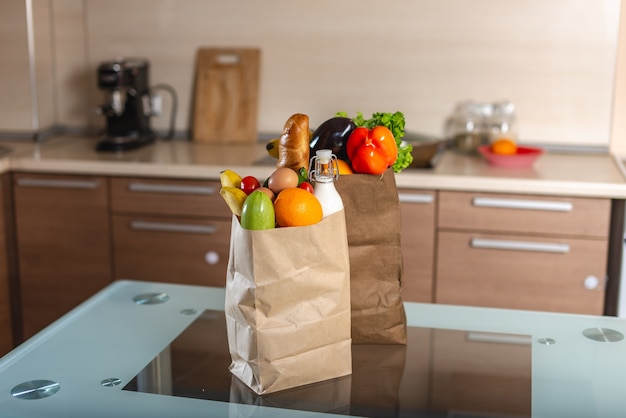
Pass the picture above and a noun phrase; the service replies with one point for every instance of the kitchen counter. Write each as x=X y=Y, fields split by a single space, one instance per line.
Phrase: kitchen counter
x=584 y=175
x=551 y=365
x=552 y=174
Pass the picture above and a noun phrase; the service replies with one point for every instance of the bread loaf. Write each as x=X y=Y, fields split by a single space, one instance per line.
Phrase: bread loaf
x=293 y=146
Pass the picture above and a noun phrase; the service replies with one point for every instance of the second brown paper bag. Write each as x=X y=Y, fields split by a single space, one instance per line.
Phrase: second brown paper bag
x=372 y=210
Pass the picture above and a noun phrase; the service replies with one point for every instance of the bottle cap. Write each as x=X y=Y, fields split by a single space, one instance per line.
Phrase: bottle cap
x=324 y=155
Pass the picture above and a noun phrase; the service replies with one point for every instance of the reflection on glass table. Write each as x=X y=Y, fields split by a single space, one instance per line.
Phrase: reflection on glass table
x=436 y=373
x=160 y=350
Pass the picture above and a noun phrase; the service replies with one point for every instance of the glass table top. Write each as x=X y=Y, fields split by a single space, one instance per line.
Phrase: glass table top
x=160 y=350
x=438 y=372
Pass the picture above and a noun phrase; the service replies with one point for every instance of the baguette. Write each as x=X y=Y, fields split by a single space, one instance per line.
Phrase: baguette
x=293 y=146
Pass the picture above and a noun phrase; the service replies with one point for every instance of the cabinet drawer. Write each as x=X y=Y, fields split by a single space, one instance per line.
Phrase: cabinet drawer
x=171 y=250
x=518 y=272
x=524 y=214
x=417 y=215
x=168 y=197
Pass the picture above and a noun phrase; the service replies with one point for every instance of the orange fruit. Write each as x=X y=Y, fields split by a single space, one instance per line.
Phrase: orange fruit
x=344 y=167
x=504 y=146
x=297 y=207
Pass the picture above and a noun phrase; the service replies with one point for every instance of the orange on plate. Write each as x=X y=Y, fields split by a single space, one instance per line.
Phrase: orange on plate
x=504 y=146
x=297 y=207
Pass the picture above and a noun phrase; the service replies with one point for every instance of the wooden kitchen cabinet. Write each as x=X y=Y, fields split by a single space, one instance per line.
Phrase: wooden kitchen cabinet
x=166 y=230
x=6 y=324
x=522 y=252
x=417 y=213
x=63 y=244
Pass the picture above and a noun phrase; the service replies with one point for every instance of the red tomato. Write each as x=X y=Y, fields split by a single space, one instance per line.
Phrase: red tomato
x=371 y=151
x=249 y=184
x=306 y=186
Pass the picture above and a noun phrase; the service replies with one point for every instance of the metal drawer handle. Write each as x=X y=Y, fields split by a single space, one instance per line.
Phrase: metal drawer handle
x=58 y=184
x=171 y=188
x=415 y=198
x=172 y=227
x=497 y=244
x=554 y=206
x=490 y=337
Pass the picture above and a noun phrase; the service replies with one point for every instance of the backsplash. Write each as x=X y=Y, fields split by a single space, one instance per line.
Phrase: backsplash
x=555 y=59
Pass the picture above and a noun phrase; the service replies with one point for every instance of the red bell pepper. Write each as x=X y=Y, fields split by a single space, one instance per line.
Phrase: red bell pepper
x=371 y=151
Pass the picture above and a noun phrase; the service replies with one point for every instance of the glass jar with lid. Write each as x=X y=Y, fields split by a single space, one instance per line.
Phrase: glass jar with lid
x=473 y=124
x=503 y=121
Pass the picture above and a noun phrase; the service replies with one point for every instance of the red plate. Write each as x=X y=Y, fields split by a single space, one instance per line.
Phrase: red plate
x=525 y=157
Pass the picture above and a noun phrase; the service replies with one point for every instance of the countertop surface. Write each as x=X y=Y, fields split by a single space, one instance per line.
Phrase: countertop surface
x=566 y=174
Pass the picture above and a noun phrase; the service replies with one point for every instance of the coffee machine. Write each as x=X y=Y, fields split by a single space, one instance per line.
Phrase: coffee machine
x=128 y=105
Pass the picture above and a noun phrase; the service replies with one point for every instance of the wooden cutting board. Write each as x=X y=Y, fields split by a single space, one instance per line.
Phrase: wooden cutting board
x=226 y=95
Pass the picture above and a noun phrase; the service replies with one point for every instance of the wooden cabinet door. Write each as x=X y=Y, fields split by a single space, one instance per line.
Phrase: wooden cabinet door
x=63 y=244
x=521 y=272
x=6 y=327
x=174 y=250
x=417 y=212
x=517 y=251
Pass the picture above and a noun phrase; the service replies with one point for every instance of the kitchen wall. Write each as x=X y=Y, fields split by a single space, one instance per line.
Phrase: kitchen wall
x=618 y=125
x=15 y=99
x=555 y=59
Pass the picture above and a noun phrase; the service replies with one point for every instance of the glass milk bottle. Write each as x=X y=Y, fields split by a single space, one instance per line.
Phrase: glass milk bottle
x=323 y=171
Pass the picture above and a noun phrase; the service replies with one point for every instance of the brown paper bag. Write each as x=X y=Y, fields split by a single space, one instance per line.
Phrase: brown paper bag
x=372 y=209
x=288 y=304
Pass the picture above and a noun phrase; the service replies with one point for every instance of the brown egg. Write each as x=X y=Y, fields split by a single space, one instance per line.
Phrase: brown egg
x=268 y=192
x=282 y=178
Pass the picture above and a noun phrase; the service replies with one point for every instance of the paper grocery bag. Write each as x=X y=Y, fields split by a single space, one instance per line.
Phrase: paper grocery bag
x=287 y=304
x=372 y=209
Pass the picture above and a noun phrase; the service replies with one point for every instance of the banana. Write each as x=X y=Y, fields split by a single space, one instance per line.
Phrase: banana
x=230 y=178
x=272 y=147
x=234 y=198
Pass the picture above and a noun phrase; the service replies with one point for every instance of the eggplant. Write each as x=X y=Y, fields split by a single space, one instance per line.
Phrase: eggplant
x=333 y=134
